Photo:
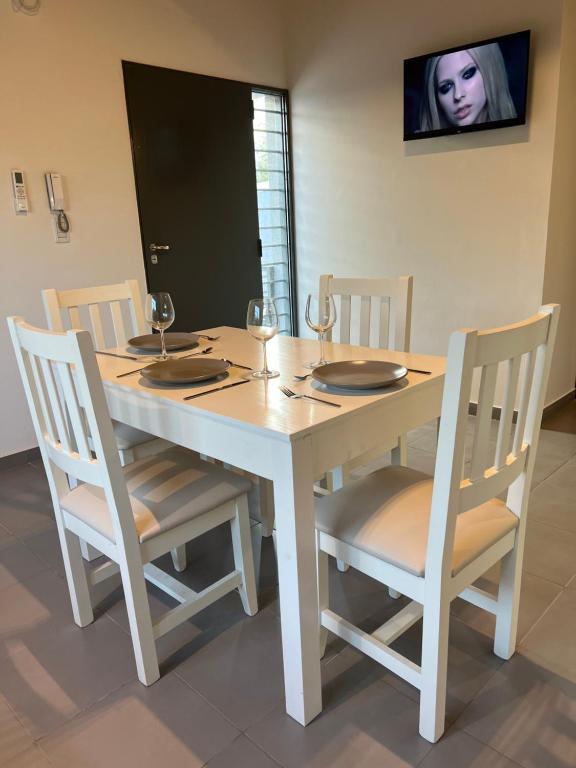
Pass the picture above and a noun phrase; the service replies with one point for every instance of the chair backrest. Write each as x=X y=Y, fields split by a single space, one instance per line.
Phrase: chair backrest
x=385 y=310
x=523 y=351
x=69 y=302
x=68 y=406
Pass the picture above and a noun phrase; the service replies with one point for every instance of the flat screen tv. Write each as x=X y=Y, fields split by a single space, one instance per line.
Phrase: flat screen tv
x=469 y=88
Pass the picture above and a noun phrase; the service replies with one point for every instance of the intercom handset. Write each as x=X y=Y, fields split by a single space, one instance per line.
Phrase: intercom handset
x=55 y=190
x=19 y=192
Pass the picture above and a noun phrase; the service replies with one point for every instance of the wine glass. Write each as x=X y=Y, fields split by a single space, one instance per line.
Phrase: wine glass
x=262 y=324
x=160 y=315
x=320 y=317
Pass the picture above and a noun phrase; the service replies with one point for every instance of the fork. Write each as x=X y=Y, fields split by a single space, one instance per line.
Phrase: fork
x=205 y=336
x=290 y=393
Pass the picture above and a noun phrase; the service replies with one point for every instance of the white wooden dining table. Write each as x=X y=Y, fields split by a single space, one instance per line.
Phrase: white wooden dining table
x=289 y=442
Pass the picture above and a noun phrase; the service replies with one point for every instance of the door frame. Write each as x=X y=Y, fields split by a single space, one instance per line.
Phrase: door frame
x=288 y=175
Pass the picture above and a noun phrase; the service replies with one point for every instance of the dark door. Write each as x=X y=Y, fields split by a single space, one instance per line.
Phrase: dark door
x=193 y=152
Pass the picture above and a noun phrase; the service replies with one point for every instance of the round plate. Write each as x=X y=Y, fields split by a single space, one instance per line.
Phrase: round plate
x=185 y=371
x=359 y=374
x=151 y=341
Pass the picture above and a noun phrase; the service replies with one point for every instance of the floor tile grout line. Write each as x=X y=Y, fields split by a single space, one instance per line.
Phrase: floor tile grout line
x=210 y=703
x=554 y=601
x=261 y=748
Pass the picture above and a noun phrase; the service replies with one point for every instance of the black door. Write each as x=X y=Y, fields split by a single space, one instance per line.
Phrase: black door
x=193 y=152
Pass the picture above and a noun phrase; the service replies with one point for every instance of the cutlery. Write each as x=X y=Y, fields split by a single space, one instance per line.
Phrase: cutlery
x=289 y=393
x=236 y=365
x=115 y=354
x=217 y=389
x=205 y=336
x=192 y=354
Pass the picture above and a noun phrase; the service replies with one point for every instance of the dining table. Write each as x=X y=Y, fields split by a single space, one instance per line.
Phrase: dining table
x=287 y=441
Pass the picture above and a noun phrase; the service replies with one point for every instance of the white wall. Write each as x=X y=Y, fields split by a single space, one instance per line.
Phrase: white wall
x=63 y=109
x=466 y=215
x=560 y=273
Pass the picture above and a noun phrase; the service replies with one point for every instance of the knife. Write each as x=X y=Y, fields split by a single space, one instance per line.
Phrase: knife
x=115 y=354
x=218 y=389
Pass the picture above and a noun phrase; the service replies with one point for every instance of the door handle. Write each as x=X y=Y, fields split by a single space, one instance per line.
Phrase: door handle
x=153 y=247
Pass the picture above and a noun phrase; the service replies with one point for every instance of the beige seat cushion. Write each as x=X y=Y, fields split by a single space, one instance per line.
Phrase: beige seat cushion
x=387 y=514
x=165 y=490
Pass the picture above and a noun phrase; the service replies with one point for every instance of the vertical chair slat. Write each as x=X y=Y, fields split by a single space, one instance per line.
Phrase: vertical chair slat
x=96 y=321
x=345 y=302
x=49 y=425
x=483 y=421
x=364 y=321
x=385 y=322
x=523 y=403
x=507 y=413
x=78 y=423
x=57 y=410
x=118 y=323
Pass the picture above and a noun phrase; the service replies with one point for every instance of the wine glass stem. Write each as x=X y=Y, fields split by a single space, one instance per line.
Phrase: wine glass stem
x=265 y=369
x=321 y=335
x=163 y=343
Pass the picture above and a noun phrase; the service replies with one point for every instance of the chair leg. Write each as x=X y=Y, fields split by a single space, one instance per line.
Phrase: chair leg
x=243 y=560
x=336 y=480
x=256 y=536
x=76 y=578
x=399 y=456
x=434 y=669
x=323 y=591
x=508 y=603
x=179 y=559
x=141 y=630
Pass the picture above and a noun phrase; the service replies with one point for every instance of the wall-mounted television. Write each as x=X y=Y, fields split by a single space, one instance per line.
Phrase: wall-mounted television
x=471 y=87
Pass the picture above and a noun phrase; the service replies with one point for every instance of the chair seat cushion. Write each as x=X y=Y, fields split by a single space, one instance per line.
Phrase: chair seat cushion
x=165 y=490
x=129 y=437
x=387 y=514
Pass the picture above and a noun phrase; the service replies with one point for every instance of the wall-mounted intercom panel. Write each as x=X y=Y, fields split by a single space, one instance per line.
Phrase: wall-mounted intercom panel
x=57 y=203
x=19 y=193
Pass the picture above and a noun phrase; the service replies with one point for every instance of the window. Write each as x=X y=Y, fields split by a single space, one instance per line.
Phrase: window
x=274 y=202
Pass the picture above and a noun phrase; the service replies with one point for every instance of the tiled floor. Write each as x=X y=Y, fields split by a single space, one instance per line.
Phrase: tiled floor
x=70 y=698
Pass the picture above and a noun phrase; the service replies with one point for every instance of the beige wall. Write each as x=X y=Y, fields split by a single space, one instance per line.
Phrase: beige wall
x=63 y=109
x=466 y=215
x=560 y=273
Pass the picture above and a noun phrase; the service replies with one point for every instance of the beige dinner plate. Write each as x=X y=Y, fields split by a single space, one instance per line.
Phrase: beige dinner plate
x=359 y=374
x=185 y=371
x=151 y=342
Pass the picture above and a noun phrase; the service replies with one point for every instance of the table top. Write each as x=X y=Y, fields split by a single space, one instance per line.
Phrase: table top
x=260 y=404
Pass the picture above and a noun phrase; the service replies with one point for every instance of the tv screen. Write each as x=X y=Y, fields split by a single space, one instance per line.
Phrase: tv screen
x=469 y=88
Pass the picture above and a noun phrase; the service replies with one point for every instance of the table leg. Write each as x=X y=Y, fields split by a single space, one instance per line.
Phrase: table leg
x=296 y=551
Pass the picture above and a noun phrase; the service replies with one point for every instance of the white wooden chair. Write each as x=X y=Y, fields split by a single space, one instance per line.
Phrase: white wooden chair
x=132 y=514
x=60 y=305
x=431 y=538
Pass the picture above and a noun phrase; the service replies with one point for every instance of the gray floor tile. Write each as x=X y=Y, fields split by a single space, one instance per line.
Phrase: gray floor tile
x=554 y=500
x=49 y=679
x=5 y=534
x=46 y=546
x=17 y=563
x=549 y=552
x=242 y=753
x=166 y=724
x=457 y=749
x=240 y=670
x=527 y=714
x=535 y=596
x=25 y=504
x=33 y=610
x=554 y=450
x=17 y=749
x=552 y=642
x=364 y=723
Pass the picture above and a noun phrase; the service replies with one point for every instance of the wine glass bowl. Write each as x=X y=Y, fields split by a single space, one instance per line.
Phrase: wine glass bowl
x=262 y=324
x=320 y=317
x=160 y=315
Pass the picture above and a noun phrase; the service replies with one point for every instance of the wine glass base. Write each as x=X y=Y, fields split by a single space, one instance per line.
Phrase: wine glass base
x=265 y=374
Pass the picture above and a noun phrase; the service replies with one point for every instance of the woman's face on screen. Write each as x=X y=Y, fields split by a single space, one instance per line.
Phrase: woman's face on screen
x=460 y=88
